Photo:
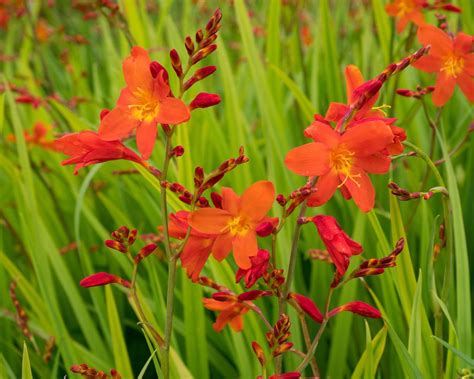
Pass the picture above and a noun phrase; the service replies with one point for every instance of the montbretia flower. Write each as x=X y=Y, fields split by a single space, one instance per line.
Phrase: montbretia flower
x=339 y=245
x=145 y=102
x=37 y=137
x=231 y=312
x=198 y=246
x=235 y=224
x=406 y=11
x=452 y=59
x=355 y=87
x=88 y=148
x=357 y=307
x=343 y=160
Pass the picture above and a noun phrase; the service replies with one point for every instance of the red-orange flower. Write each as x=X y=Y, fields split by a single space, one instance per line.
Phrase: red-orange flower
x=198 y=247
x=406 y=11
x=145 y=101
x=343 y=160
x=37 y=137
x=87 y=148
x=235 y=224
x=451 y=59
x=354 y=83
x=256 y=271
x=231 y=312
x=339 y=245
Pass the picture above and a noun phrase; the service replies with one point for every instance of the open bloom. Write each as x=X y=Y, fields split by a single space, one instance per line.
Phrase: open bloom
x=343 y=160
x=354 y=85
x=235 y=224
x=451 y=59
x=145 y=101
x=231 y=312
x=198 y=246
x=406 y=11
x=87 y=148
x=339 y=245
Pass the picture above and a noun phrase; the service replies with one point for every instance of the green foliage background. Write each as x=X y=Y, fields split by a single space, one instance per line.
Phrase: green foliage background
x=271 y=85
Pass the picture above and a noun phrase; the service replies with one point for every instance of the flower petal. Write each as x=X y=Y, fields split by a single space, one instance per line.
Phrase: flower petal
x=146 y=138
x=172 y=111
x=440 y=42
x=428 y=63
x=361 y=190
x=354 y=79
x=324 y=133
x=444 y=89
x=117 y=124
x=326 y=186
x=466 y=83
x=368 y=137
x=136 y=70
x=209 y=220
x=230 y=200
x=311 y=159
x=222 y=246
x=245 y=246
x=257 y=200
x=378 y=163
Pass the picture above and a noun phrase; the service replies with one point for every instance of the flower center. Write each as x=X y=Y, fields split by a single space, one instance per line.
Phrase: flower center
x=453 y=65
x=342 y=160
x=405 y=7
x=147 y=107
x=238 y=225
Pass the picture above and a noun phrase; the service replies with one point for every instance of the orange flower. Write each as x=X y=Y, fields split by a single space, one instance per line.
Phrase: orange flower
x=197 y=248
x=231 y=312
x=145 y=101
x=236 y=223
x=406 y=11
x=37 y=137
x=343 y=160
x=87 y=148
x=336 y=111
x=452 y=59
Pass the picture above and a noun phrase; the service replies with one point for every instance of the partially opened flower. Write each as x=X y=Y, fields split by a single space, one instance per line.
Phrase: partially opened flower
x=231 y=312
x=452 y=59
x=357 y=307
x=406 y=11
x=343 y=160
x=339 y=245
x=87 y=148
x=256 y=271
x=198 y=246
x=145 y=102
x=235 y=224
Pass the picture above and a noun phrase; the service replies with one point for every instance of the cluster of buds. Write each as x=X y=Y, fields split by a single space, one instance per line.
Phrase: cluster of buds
x=203 y=182
x=376 y=266
x=23 y=95
x=405 y=195
x=296 y=197
x=122 y=239
x=91 y=373
x=21 y=317
x=90 y=9
x=184 y=195
x=442 y=5
x=417 y=94
x=274 y=279
x=277 y=338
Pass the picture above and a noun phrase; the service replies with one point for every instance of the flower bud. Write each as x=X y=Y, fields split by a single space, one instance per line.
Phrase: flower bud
x=259 y=353
x=176 y=63
x=205 y=100
x=103 y=278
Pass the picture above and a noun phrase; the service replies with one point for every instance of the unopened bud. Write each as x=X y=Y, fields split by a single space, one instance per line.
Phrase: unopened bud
x=176 y=63
x=205 y=100
x=259 y=353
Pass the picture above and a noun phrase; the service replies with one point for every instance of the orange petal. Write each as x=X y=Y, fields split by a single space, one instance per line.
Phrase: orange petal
x=136 y=70
x=172 y=111
x=257 y=200
x=361 y=189
x=214 y=305
x=209 y=220
x=326 y=186
x=324 y=133
x=444 y=89
x=222 y=246
x=469 y=64
x=378 y=163
x=335 y=112
x=194 y=256
x=146 y=138
x=311 y=159
x=367 y=138
x=466 y=83
x=118 y=124
x=440 y=42
x=428 y=63
x=354 y=79
x=463 y=43
x=245 y=246
x=237 y=323
x=230 y=201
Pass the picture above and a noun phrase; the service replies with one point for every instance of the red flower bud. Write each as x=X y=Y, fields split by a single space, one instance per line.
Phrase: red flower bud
x=177 y=151
x=103 y=113
x=116 y=246
x=188 y=43
x=357 y=307
x=308 y=306
x=223 y=296
x=103 y=278
x=144 y=252
x=259 y=353
x=204 y=100
x=176 y=63
x=252 y=295
x=156 y=68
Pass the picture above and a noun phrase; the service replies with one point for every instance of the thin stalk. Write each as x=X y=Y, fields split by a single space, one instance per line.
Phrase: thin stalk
x=307 y=339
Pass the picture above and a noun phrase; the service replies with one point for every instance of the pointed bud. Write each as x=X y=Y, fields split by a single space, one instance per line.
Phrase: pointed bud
x=216 y=200
x=308 y=306
x=144 y=252
x=259 y=353
x=284 y=347
x=103 y=278
x=188 y=43
x=156 y=68
x=115 y=245
x=253 y=295
x=132 y=237
x=103 y=113
x=224 y=296
x=177 y=151
x=357 y=307
x=176 y=63
x=204 y=100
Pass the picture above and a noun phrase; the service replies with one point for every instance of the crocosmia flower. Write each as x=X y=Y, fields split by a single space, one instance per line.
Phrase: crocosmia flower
x=451 y=59
x=406 y=11
x=231 y=312
x=235 y=224
x=343 y=160
x=339 y=245
x=145 y=102
x=256 y=271
x=87 y=148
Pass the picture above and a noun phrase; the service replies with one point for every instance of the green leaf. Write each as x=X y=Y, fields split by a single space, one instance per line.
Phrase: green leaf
x=25 y=364
x=373 y=351
x=460 y=354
